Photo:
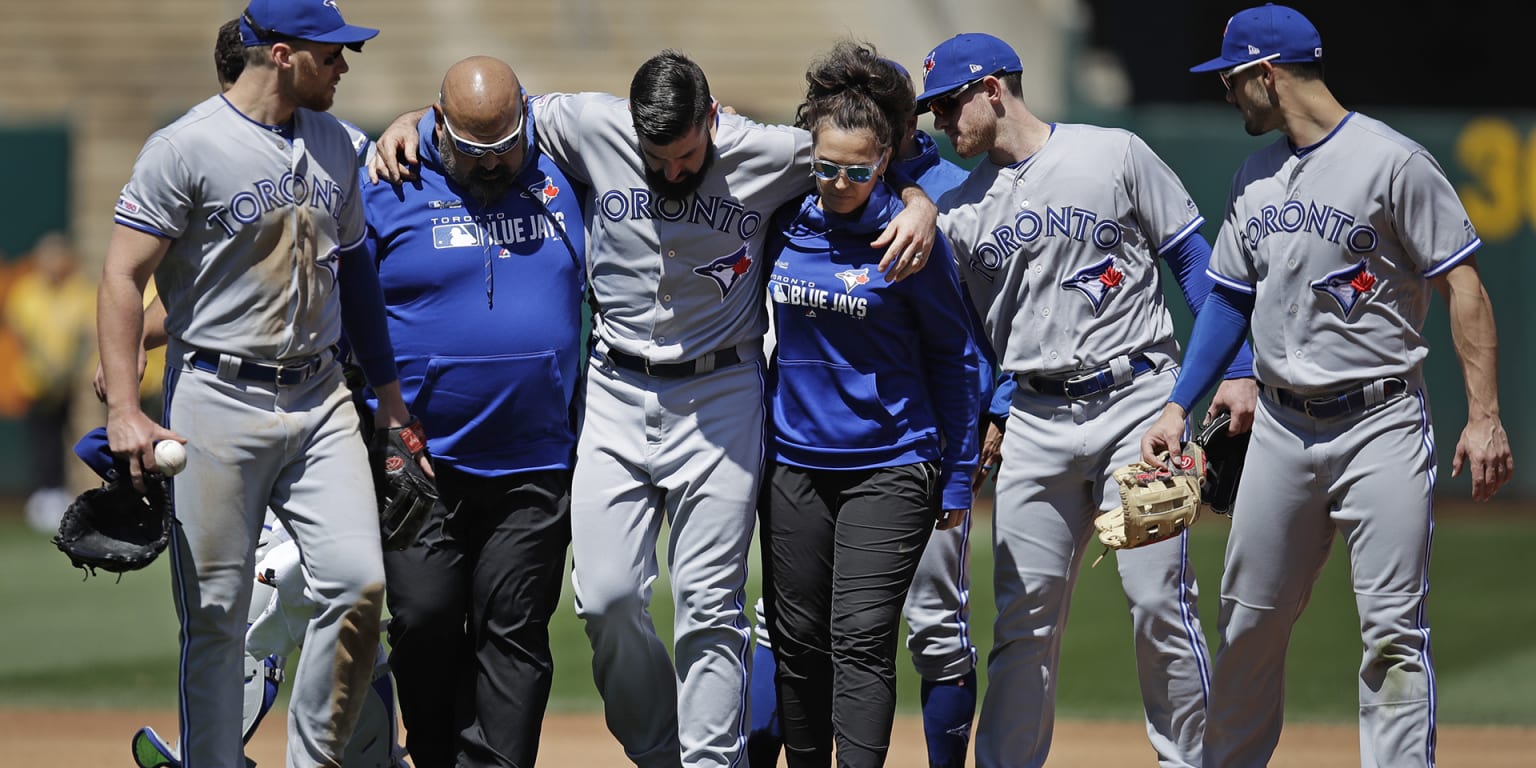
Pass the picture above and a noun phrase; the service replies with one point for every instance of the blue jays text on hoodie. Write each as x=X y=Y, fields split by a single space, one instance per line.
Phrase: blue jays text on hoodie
x=868 y=373
x=484 y=308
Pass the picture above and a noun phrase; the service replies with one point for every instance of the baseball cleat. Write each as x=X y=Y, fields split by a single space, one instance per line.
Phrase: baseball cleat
x=151 y=751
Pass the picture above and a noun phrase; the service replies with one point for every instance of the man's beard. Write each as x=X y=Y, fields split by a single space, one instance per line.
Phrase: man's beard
x=485 y=186
x=681 y=189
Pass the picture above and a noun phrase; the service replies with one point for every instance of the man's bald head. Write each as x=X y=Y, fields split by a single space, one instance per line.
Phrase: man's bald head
x=480 y=126
x=482 y=99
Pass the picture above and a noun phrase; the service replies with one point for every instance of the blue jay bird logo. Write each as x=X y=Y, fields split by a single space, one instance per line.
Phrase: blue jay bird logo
x=1096 y=282
x=727 y=270
x=1348 y=286
x=853 y=278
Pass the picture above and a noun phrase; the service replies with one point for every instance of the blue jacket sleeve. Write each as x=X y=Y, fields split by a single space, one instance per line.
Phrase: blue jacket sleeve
x=1189 y=259
x=362 y=315
x=1219 y=330
x=1002 y=398
x=950 y=356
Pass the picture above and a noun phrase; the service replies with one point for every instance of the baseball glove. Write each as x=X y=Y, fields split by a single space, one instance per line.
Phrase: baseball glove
x=116 y=528
x=1224 y=456
x=406 y=494
x=1155 y=504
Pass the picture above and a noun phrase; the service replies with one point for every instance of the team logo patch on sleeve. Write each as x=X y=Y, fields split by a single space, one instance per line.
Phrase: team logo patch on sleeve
x=727 y=270
x=460 y=235
x=1096 y=283
x=1348 y=286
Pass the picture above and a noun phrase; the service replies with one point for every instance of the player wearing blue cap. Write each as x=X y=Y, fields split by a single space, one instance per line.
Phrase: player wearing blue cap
x=1059 y=231
x=246 y=211
x=1333 y=237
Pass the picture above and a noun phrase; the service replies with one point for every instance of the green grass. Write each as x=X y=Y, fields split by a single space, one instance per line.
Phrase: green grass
x=100 y=643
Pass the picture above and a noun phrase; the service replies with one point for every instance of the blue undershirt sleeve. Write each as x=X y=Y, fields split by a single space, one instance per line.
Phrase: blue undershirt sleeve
x=1189 y=259
x=363 y=318
x=1219 y=331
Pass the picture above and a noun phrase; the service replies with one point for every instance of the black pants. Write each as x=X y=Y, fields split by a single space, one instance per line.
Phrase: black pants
x=470 y=604
x=841 y=547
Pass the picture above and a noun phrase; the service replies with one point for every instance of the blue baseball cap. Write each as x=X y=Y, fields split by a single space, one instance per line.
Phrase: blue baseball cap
x=962 y=60
x=268 y=21
x=1270 y=32
x=94 y=450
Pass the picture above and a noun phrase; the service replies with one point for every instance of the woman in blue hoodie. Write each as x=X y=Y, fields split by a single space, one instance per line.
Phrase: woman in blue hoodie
x=874 y=410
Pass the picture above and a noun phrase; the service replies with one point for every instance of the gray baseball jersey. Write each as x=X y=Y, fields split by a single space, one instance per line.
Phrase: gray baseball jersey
x=227 y=250
x=1336 y=242
x=1060 y=255
x=673 y=280
x=255 y=221
x=666 y=273
x=1338 y=260
x=1059 y=252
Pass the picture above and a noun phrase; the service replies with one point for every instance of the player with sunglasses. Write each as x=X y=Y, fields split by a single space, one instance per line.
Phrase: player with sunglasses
x=1058 y=232
x=470 y=600
x=873 y=435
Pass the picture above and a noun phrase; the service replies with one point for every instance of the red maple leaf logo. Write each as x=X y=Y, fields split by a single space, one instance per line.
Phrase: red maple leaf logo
x=1112 y=277
x=741 y=266
x=551 y=191
x=1363 y=282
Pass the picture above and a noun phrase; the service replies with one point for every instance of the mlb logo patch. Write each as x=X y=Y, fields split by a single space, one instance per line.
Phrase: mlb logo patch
x=124 y=204
x=461 y=235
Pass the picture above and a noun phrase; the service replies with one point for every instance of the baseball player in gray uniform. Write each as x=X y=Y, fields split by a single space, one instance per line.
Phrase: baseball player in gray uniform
x=245 y=210
x=1058 y=232
x=679 y=196
x=1333 y=236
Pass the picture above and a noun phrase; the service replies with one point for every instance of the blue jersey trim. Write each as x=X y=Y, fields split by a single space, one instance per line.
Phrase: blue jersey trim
x=1235 y=285
x=145 y=228
x=1455 y=258
x=1179 y=236
x=1307 y=150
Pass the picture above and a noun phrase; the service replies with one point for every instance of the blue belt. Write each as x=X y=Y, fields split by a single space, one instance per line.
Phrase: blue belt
x=1332 y=405
x=1080 y=385
x=684 y=369
x=283 y=374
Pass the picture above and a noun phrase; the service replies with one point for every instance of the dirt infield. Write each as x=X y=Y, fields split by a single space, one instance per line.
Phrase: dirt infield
x=78 y=739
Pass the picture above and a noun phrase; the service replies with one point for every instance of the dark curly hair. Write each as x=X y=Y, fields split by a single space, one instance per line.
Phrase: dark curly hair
x=229 y=53
x=851 y=87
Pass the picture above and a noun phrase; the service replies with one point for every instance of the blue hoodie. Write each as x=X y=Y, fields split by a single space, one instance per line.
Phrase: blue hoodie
x=484 y=308
x=936 y=175
x=868 y=373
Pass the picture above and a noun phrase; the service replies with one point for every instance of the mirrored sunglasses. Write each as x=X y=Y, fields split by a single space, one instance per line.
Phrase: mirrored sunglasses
x=827 y=170
x=476 y=149
x=1227 y=74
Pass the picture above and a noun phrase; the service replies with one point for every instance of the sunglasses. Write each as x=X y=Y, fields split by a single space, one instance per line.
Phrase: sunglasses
x=1226 y=75
x=949 y=102
x=476 y=149
x=826 y=170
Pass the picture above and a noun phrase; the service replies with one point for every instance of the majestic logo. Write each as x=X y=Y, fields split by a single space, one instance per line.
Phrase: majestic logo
x=1348 y=286
x=460 y=235
x=727 y=270
x=1096 y=282
x=853 y=278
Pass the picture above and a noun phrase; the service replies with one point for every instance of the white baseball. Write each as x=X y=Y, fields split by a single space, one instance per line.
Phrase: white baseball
x=170 y=457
